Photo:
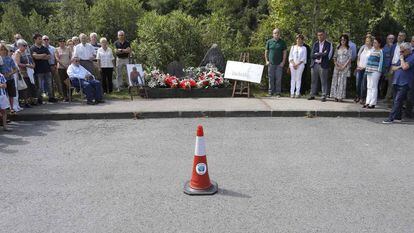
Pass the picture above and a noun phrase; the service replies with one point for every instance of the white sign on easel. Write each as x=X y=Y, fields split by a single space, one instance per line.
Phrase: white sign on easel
x=135 y=75
x=243 y=71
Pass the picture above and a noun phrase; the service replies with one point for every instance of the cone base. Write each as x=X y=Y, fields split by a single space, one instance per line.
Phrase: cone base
x=209 y=191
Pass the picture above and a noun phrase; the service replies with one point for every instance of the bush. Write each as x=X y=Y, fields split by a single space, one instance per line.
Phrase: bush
x=162 y=39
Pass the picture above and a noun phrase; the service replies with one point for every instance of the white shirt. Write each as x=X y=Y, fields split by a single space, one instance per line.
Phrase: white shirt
x=106 y=57
x=77 y=71
x=297 y=54
x=363 y=57
x=396 y=56
x=52 y=54
x=84 y=52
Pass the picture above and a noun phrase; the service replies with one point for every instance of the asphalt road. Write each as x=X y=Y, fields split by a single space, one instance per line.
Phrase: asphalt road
x=274 y=175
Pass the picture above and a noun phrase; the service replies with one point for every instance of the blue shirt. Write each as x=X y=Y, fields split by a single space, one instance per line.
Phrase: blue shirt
x=2 y=81
x=353 y=48
x=404 y=77
x=388 y=52
x=8 y=66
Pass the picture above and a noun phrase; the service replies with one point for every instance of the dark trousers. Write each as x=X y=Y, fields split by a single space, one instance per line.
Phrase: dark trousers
x=106 y=75
x=400 y=94
x=29 y=92
x=91 y=88
x=410 y=101
x=361 y=84
x=63 y=75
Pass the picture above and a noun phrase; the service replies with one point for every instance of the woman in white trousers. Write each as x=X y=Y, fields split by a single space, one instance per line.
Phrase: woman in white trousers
x=297 y=61
x=374 y=71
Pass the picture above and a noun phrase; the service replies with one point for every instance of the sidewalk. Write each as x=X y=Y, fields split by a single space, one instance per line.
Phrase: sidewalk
x=200 y=107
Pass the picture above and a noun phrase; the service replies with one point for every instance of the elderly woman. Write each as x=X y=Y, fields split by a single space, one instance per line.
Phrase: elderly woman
x=75 y=40
x=342 y=60
x=63 y=54
x=24 y=61
x=297 y=61
x=8 y=69
x=106 y=63
x=374 y=71
x=363 y=55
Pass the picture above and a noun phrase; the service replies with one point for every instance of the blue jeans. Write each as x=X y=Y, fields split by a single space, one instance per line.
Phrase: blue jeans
x=44 y=83
x=400 y=94
x=275 y=79
x=361 y=84
x=91 y=88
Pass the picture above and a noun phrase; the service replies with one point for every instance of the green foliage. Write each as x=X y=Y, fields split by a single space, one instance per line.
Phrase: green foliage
x=403 y=12
x=13 y=21
x=110 y=16
x=162 y=39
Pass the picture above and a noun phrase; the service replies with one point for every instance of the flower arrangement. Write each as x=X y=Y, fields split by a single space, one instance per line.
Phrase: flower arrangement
x=195 y=78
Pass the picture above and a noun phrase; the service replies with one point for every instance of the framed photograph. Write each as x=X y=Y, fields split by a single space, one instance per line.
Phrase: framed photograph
x=135 y=75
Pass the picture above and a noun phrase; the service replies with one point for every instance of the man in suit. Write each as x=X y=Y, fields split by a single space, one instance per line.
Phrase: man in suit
x=321 y=55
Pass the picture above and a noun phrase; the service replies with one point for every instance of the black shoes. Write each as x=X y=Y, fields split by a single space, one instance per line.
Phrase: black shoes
x=323 y=99
x=311 y=98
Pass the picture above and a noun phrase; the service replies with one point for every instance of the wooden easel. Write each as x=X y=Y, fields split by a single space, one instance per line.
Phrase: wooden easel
x=244 y=87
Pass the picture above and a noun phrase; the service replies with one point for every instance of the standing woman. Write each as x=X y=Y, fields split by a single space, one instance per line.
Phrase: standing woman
x=106 y=64
x=342 y=60
x=297 y=61
x=374 y=71
x=24 y=61
x=8 y=69
x=70 y=45
x=63 y=55
x=363 y=55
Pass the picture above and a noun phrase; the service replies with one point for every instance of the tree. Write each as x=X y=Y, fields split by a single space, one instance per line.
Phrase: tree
x=107 y=18
x=72 y=19
x=12 y=22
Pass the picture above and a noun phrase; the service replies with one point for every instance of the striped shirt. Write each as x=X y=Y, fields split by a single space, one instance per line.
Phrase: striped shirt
x=375 y=62
x=2 y=81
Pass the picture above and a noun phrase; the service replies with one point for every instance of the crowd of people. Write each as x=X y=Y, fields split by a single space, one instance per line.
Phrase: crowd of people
x=379 y=68
x=28 y=74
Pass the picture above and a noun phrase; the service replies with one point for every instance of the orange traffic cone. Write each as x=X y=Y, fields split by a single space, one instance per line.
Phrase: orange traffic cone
x=200 y=183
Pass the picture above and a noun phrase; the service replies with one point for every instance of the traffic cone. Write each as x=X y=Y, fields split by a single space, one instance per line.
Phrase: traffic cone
x=200 y=183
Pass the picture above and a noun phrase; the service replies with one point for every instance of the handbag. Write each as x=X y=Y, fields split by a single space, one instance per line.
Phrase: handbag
x=21 y=84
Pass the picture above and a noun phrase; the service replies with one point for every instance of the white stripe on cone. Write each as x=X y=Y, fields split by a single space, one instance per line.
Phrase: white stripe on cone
x=200 y=147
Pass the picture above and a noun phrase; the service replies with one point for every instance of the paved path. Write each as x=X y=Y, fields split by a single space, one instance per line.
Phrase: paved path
x=274 y=174
x=201 y=107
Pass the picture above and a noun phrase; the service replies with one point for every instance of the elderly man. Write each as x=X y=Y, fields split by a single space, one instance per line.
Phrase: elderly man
x=402 y=81
x=81 y=77
x=122 y=51
x=321 y=55
x=85 y=52
x=275 y=55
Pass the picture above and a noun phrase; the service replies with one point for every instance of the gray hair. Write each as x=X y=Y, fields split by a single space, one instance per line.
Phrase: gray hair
x=119 y=32
x=406 y=46
x=75 y=38
x=103 y=39
x=21 y=42
x=93 y=34
x=82 y=35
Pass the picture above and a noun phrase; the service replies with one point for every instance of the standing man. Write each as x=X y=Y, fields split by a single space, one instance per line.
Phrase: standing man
x=52 y=63
x=352 y=46
x=275 y=55
x=41 y=57
x=122 y=51
x=93 y=37
x=388 y=52
x=395 y=58
x=321 y=56
x=402 y=81
x=85 y=52
x=410 y=96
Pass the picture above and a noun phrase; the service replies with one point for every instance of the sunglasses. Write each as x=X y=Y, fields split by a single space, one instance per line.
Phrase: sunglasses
x=46 y=39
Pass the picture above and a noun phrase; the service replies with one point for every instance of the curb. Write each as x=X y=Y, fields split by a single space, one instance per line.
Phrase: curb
x=193 y=114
